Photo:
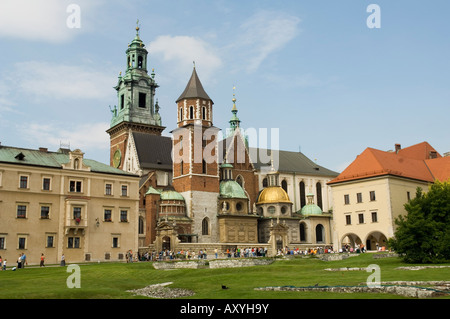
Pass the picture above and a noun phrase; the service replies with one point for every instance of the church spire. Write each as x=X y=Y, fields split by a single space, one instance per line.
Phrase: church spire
x=194 y=89
x=234 y=122
x=136 y=89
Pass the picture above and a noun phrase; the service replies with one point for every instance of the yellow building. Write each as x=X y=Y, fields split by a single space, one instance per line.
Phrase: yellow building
x=59 y=203
x=371 y=192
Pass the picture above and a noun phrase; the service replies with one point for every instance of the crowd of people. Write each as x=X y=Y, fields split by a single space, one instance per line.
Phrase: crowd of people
x=203 y=254
x=216 y=254
x=22 y=262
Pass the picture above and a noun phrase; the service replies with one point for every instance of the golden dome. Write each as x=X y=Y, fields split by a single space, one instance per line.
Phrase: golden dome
x=274 y=194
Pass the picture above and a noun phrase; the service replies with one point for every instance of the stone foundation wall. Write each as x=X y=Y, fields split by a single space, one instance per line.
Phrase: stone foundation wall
x=214 y=264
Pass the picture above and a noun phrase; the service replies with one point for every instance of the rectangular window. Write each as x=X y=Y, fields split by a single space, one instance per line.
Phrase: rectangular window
x=73 y=242
x=372 y=195
x=142 y=98
x=22 y=242
x=374 y=217
x=348 y=220
x=359 y=197
x=346 y=199
x=50 y=241
x=45 y=212
x=122 y=101
x=115 y=242
x=23 y=182
x=108 y=189
x=361 y=218
x=21 y=211
x=2 y=243
x=46 y=184
x=75 y=186
x=77 y=212
x=123 y=216
x=108 y=215
x=124 y=190
x=408 y=196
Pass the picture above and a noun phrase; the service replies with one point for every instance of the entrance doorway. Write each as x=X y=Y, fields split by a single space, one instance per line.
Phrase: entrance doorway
x=166 y=243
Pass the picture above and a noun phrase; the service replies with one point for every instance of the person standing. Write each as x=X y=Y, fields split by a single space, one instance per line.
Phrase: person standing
x=19 y=261
x=24 y=260
x=42 y=260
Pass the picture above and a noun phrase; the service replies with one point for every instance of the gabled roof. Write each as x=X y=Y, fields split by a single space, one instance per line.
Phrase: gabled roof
x=194 y=89
x=409 y=163
x=154 y=151
x=290 y=162
x=419 y=151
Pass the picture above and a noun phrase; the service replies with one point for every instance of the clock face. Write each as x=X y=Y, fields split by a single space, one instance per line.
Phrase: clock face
x=117 y=158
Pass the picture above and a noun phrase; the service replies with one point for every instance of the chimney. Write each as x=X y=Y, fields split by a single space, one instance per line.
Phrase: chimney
x=398 y=147
x=446 y=154
x=43 y=149
x=433 y=154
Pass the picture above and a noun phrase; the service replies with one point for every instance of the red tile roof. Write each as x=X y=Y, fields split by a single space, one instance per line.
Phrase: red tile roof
x=412 y=162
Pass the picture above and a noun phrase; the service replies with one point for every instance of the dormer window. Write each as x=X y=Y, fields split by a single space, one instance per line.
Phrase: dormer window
x=20 y=156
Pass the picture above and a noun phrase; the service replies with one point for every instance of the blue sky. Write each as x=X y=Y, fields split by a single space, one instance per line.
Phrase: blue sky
x=312 y=69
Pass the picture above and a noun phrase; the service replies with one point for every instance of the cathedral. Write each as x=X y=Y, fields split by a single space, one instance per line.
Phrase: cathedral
x=199 y=192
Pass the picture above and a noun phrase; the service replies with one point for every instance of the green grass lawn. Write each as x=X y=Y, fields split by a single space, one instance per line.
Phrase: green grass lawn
x=112 y=280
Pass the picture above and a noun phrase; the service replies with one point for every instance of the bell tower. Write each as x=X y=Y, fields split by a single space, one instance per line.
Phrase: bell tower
x=136 y=110
x=195 y=158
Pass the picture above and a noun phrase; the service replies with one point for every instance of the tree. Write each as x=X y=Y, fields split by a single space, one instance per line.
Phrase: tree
x=423 y=235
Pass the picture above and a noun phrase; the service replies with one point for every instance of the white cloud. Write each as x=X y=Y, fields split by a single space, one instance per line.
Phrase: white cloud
x=179 y=52
x=262 y=34
x=59 y=81
x=45 y=20
x=87 y=136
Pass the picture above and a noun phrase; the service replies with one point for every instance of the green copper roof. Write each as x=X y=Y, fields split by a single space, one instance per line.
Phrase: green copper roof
x=22 y=156
x=152 y=191
x=231 y=189
x=311 y=209
x=171 y=195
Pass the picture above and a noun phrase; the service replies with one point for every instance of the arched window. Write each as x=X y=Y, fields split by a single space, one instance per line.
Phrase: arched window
x=191 y=112
x=302 y=194
x=302 y=232
x=140 y=62
x=204 y=113
x=205 y=226
x=141 y=225
x=284 y=185
x=240 y=181
x=319 y=194
x=181 y=114
x=320 y=236
x=181 y=168
x=265 y=183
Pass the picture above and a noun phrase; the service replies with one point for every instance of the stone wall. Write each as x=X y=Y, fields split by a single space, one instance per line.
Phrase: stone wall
x=235 y=263
x=214 y=264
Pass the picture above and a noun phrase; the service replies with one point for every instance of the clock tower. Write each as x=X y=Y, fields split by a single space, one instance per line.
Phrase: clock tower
x=136 y=110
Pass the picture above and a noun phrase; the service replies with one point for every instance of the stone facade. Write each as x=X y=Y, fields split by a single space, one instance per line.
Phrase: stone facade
x=56 y=203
